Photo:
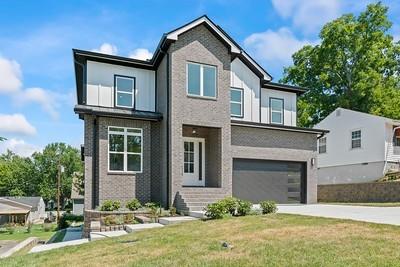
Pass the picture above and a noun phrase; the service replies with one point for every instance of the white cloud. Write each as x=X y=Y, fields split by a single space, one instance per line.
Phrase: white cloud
x=15 y=124
x=308 y=15
x=46 y=99
x=274 y=47
x=19 y=147
x=141 y=53
x=107 y=48
x=10 y=75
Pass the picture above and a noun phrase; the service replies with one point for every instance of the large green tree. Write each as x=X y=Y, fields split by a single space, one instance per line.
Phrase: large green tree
x=46 y=167
x=355 y=66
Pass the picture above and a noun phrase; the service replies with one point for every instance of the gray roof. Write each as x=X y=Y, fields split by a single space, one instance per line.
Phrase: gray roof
x=6 y=209
x=31 y=201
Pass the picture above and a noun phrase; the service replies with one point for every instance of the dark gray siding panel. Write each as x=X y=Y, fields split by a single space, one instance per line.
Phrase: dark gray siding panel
x=258 y=180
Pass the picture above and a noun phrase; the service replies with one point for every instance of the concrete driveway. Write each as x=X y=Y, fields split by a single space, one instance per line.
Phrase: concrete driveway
x=385 y=215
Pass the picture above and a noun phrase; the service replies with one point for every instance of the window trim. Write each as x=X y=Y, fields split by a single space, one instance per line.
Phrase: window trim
x=133 y=106
x=201 y=95
x=125 y=133
x=241 y=103
x=282 y=113
x=319 y=145
x=351 y=139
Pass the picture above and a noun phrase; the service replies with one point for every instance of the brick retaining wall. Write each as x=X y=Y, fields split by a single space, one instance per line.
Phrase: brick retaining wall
x=361 y=192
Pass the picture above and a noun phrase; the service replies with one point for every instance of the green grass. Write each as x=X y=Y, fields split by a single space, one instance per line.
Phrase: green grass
x=273 y=240
x=372 y=204
x=21 y=233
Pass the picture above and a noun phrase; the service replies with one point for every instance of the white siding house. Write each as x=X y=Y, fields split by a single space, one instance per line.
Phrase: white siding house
x=359 y=148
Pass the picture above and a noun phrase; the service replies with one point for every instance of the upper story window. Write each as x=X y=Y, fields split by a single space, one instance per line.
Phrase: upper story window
x=236 y=102
x=276 y=110
x=125 y=149
x=201 y=80
x=322 y=145
x=124 y=91
x=356 y=139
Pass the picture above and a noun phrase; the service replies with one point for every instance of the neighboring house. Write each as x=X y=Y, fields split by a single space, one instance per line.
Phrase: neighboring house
x=199 y=121
x=359 y=147
x=22 y=209
x=77 y=199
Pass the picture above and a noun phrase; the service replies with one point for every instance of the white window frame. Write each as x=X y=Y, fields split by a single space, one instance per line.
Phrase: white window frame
x=125 y=133
x=282 y=112
x=351 y=139
x=235 y=102
x=201 y=80
x=319 y=145
x=124 y=92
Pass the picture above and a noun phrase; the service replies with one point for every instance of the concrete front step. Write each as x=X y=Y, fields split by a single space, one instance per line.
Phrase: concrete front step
x=175 y=220
x=203 y=199
x=198 y=204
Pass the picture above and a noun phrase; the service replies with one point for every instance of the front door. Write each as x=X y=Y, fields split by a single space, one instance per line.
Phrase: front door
x=193 y=161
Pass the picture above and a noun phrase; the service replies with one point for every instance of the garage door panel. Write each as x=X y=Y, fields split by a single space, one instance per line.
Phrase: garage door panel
x=258 y=180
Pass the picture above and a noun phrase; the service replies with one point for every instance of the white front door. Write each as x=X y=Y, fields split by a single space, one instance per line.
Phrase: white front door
x=193 y=161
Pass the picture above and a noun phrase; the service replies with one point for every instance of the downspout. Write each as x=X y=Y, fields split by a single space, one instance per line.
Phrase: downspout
x=387 y=150
x=94 y=163
x=83 y=80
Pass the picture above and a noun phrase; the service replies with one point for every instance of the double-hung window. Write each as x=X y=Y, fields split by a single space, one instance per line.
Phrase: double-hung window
x=236 y=102
x=322 y=145
x=276 y=110
x=201 y=80
x=124 y=91
x=356 y=139
x=125 y=148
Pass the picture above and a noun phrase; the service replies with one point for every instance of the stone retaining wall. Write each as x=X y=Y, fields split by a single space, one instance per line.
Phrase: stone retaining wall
x=360 y=192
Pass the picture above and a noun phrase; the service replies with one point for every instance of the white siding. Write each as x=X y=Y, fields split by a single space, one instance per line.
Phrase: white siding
x=290 y=106
x=392 y=156
x=100 y=85
x=338 y=145
x=243 y=77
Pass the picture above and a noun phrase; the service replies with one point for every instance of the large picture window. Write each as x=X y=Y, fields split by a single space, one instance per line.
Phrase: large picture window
x=124 y=91
x=201 y=80
x=125 y=149
x=356 y=139
x=236 y=102
x=276 y=110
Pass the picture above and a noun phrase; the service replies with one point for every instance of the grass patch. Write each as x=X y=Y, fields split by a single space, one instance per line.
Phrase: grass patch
x=373 y=204
x=21 y=233
x=268 y=240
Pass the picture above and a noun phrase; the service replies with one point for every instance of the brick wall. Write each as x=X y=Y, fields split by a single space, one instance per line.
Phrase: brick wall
x=360 y=192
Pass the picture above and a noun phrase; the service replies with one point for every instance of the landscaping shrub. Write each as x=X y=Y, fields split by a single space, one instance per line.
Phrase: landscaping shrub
x=119 y=219
x=11 y=229
x=172 y=211
x=109 y=220
x=243 y=207
x=110 y=205
x=133 y=204
x=154 y=209
x=29 y=228
x=67 y=219
x=129 y=218
x=230 y=204
x=215 y=210
x=268 y=207
x=47 y=227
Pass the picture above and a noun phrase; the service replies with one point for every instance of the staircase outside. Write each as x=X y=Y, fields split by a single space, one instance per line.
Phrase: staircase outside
x=195 y=199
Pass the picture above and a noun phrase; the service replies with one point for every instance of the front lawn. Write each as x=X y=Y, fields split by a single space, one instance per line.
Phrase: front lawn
x=21 y=233
x=272 y=240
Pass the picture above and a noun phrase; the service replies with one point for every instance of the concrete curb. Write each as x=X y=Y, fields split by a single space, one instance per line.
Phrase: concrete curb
x=19 y=246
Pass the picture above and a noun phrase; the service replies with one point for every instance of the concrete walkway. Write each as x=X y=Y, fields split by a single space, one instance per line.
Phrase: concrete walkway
x=384 y=215
x=45 y=247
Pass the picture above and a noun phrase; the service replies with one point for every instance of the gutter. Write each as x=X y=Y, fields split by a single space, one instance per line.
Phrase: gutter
x=279 y=127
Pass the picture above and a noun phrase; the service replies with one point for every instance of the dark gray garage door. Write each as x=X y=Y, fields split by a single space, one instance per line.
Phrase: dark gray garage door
x=258 y=180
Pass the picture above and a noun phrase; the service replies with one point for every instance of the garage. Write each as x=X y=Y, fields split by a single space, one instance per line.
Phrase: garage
x=257 y=180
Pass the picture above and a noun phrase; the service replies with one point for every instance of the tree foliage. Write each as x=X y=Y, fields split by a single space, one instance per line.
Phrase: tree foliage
x=37 y=175
x=356 y=66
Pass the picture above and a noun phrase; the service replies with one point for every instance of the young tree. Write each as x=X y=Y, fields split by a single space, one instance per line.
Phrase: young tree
x=355 y=66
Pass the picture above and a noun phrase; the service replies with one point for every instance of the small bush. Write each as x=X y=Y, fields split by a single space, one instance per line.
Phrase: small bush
x=268 y=207
x=47 y=227
x=215 y=210
x=29 y=228
x=154 y=209
x=243 y=207
x=172 y=211
x=110 y=205
x=129 y=218
x=11 y=229
x=133 y=204
x=119 y=219
x=230 y=204
x=109 y=220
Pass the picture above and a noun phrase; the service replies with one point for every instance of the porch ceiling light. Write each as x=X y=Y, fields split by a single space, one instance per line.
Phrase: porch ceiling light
x=194 y=131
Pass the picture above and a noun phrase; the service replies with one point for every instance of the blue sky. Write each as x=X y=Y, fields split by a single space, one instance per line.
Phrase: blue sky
x=37 y=85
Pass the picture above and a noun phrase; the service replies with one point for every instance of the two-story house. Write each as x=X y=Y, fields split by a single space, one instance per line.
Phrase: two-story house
x=199 y=121
x=359 y=148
